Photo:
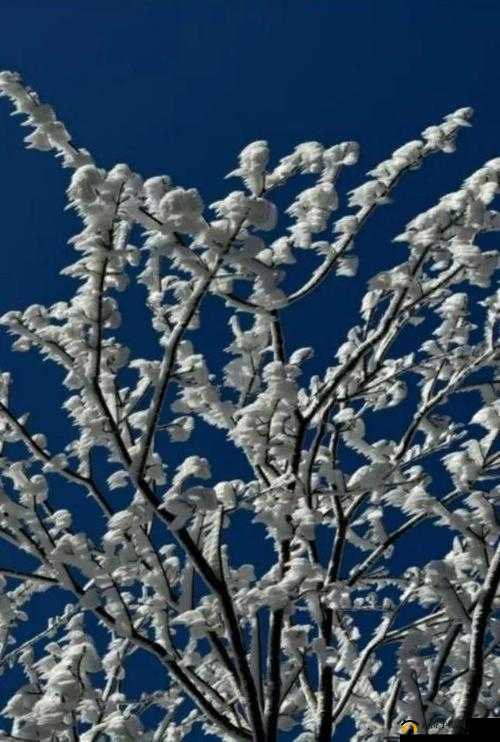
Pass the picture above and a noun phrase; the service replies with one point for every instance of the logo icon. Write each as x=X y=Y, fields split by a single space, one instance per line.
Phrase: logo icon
x=409 y=727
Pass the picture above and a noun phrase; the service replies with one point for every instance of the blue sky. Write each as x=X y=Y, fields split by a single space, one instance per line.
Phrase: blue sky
x=180 y=86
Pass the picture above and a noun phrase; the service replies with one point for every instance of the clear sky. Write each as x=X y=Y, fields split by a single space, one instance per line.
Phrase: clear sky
x=180 y=86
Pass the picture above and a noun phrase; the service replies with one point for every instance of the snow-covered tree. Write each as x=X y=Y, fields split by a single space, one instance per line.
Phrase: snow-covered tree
x=333 y=630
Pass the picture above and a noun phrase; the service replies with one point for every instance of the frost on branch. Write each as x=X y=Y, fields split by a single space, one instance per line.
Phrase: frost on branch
x=155 y=559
